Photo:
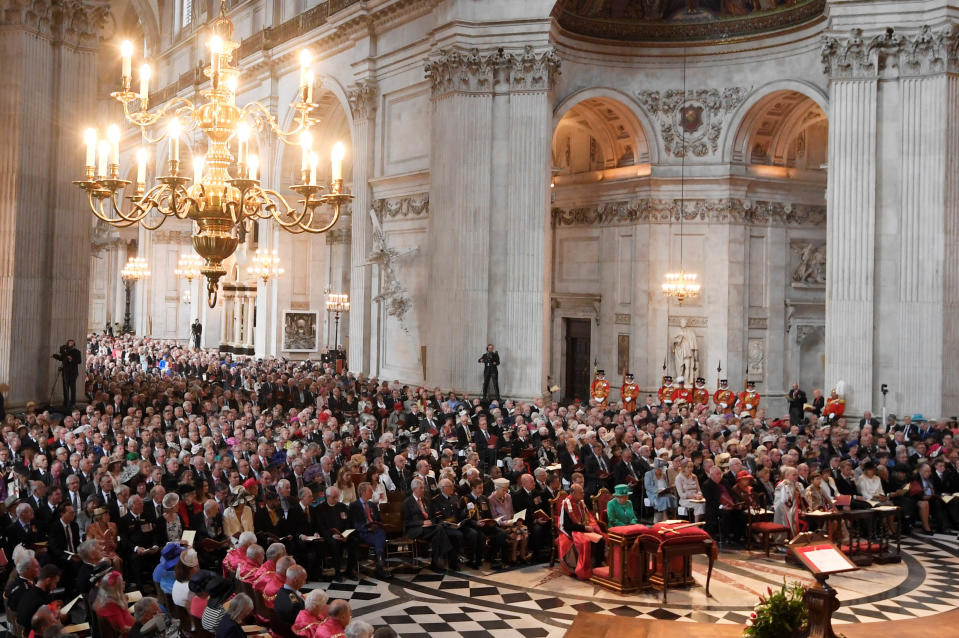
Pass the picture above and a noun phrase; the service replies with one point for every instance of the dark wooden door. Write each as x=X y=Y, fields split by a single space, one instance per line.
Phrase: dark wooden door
x=577 y=335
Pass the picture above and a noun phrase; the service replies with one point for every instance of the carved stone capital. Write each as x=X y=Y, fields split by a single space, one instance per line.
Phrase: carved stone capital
x=75 y=22
x=475 y=72
x=341 y=235
x=363 y=98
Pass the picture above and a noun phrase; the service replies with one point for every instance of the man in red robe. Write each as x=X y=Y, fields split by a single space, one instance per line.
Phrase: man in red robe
x=629 y=393
x=579 y=532
x=599 y=391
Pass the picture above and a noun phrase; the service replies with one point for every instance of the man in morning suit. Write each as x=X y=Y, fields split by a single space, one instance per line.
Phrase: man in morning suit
x=419 y=525
x=368 y=523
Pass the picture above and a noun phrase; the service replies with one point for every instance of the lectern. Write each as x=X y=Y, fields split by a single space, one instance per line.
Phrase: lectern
x=822 y=559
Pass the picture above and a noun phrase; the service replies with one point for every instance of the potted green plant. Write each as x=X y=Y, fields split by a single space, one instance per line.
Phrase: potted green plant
x=781 y=614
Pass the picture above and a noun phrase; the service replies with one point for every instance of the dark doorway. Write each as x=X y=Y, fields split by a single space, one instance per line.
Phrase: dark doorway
x=577 y=335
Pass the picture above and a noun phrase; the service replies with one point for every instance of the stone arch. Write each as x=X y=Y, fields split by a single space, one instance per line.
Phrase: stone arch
x=765 y=128
x=609 y=123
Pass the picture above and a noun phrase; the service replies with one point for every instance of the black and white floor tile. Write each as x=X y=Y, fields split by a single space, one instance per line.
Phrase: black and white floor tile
x=534 y=602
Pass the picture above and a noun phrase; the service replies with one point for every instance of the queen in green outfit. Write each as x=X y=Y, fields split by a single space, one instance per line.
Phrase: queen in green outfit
x=619 y=510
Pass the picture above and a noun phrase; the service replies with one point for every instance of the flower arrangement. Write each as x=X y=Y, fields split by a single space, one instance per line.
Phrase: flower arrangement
x=781 y=614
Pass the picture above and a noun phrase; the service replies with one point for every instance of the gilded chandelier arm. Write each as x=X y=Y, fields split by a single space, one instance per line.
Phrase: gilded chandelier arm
x=259 y=114
x=179 y=106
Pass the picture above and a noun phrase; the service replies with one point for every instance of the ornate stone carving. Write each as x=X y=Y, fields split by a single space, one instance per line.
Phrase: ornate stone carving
x=757 y=323
x=362 y=97
x=475 y=72
x=925 y=52
x=714 y=211
x=171 y=236
x=756 y=358
x=806 y=332
x=71 y=21
x=403 y=207
x=676 y=321
x=811 y=270
x=624 y=318
x=392 y=293
x=691 y=122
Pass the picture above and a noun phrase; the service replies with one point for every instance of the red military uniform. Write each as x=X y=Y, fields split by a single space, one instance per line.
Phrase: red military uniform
x=629 y=393
x=749 y=399
x=835 y=407
x=665 y=392
x=682 y=395
x=700 y=393
x=599 y=390
x=724 y=399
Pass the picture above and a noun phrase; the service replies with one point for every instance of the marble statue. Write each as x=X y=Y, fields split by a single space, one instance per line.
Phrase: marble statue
x=685 y=350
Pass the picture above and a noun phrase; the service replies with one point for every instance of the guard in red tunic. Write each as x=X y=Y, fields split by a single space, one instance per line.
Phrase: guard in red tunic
x=682 y=395
x=629 y=393
x=700 y=393
x=835 y=406
x=724 y=399
x=665 y=392
x=599 y=390
x=749 y=398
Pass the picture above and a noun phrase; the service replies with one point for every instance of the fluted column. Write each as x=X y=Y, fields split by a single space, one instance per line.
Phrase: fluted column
x=521 y=317
x=363 y=100
x=851 y=220
x=48 y=96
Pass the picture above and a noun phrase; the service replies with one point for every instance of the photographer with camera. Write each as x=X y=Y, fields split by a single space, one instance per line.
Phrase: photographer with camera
x=69 y=358
x=490 y=361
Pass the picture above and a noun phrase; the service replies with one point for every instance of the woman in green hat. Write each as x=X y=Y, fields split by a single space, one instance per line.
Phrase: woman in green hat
x=619 y=510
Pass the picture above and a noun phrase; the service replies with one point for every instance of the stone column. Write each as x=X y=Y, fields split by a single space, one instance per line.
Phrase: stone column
x=49 y=96
x=523 y=311
x=363 y=98
x=851 y=218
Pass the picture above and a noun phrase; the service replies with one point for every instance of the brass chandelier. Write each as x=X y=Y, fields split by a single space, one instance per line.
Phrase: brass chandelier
x=225 y=197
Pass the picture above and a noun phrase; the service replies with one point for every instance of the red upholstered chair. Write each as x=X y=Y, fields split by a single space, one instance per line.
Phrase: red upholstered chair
x=600 y=501
x=760 y=525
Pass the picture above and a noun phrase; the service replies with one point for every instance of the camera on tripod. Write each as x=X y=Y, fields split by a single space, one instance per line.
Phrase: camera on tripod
x=884 y=389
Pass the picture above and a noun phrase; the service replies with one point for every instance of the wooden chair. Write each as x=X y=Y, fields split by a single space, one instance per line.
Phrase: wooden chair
x=759 y=523
x=600 y=501
x=554 y=506
x=398 y=545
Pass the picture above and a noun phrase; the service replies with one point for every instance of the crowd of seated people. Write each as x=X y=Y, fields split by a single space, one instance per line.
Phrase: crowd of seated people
x=289 y=472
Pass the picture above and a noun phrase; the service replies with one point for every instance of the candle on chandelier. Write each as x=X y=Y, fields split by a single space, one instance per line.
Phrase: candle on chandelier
x=242 y=139
x=113 y=134
x=232 y=84
x=336 y=161
x=104 y=149
x=173 y=130
x=253 y=166
x=145 y=71
x=306 y=59
x=314 y=160
x=306 y=142
x=141 y=166
x=198 y=164
x=309 y=87
x=126 y=54
x=216 y=48
x=90 y=139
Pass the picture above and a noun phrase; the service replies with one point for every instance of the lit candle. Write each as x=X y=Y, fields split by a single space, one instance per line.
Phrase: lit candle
x=90 y=138
x=141 y=166
x=253 y=166
x=306 y=142
x=232 y=84
x=216 y=48
x=313 y=162
x=126 y=54
x=104 y=155
x=305 y=61
x=173 y=130
x=309 y=87
x=336 y=161
x=113 y=134
x=198 y=163
x=242 y=138
x=144 y=81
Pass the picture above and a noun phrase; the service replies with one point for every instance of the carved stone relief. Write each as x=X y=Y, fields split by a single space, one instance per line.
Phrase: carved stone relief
x=409 y=206
x=811 y=269
x=475 y=72
x=362 y=97
x=691 y=122
x=714 y=211
x=624 y=319
x=889 y=53
x=693 y=322
x=756 y=358
x=757 y=323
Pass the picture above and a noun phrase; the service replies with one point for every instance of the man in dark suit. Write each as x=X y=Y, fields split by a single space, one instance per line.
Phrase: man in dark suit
x=419 y=525
x=399 y=475
x=23 y=530
x=304 y=524
x=445 y=513
x=366 y=519
x=138 y=542
x=38 y=594
x=64 y=536
x=528 y=497
x=288 y=601
x=210 y=537
x=595 y=471
x=334 y=519
x=70 y=359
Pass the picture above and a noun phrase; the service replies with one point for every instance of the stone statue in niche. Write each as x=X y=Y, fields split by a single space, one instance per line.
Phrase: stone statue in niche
x=755 y=358
x=685 y=348
x=812 y=264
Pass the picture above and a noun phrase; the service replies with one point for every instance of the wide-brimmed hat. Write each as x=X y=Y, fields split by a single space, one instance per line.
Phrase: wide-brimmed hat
x=500 y=482
x=171 y=555
x=744 y=475
x=219 y=589
x=188 y=558
x=240 y=496
x=621 y=490
x=722 y=460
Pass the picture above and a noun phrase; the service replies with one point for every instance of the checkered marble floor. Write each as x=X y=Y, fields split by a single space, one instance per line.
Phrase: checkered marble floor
x=534 y=601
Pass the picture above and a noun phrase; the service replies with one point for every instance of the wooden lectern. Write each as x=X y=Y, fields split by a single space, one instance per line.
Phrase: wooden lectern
x=821 y=558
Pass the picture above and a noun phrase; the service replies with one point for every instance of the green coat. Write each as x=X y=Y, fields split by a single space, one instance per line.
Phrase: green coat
x=620 y=514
